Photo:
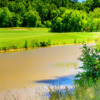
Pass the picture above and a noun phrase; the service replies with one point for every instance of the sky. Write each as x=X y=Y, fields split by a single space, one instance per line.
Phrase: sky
x=81 y=0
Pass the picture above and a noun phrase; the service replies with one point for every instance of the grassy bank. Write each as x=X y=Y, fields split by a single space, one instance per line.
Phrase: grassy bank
x=17 y=38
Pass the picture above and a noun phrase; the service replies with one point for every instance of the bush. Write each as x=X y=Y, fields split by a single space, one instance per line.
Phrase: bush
x=45 y=43
x=91 y=66
x=26 y=44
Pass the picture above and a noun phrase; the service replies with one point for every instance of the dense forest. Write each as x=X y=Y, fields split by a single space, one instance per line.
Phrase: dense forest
x=59 y=15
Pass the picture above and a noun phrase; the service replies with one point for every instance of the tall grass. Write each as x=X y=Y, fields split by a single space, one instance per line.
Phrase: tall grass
x=98 y=44
x=27 y=45
x=79 y=93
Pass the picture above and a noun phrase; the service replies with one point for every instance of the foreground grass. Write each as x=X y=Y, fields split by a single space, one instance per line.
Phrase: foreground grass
x=80 y=93
x=57 y=93
x=16 y=38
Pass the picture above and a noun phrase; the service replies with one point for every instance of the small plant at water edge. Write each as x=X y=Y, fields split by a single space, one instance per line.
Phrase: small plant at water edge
x=26 y=44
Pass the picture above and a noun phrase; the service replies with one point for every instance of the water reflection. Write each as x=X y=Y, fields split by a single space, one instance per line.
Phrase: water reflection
x=68 y=65
x=63 y=80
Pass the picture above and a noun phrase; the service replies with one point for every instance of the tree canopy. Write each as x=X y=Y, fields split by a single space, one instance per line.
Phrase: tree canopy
x=60 y=15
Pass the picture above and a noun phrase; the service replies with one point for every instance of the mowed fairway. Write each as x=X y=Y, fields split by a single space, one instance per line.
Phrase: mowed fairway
x=18 y=36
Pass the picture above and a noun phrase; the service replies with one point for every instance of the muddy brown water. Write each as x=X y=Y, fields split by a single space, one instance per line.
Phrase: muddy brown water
x=38 y=67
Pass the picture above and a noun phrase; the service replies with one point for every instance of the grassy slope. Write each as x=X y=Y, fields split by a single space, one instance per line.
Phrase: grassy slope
x=16 y=37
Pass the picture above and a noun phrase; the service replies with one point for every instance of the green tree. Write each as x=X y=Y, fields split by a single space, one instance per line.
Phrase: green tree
x=72 y=21
x=16 y=20
x=5 y=17
x=92 y=4
x=95 y=13
x=32 y=19
x=3 y=2
x=12 y=6
x=20 y=8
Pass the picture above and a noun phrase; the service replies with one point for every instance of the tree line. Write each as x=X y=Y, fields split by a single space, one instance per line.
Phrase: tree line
x=60 y=15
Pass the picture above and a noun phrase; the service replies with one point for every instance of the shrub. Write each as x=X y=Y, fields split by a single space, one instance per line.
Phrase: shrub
x=26 y=44
x=45 y=43
x=91 y=66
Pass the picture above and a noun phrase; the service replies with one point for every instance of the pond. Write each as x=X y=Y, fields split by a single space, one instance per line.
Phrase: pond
x=39 y=67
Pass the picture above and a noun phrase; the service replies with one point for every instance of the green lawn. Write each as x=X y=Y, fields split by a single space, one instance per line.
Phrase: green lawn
x=17 y=37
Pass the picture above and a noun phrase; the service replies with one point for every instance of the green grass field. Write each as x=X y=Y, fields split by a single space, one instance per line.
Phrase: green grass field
x=14 y=38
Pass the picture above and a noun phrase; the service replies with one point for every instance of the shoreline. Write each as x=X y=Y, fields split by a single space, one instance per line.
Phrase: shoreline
x=21 y=49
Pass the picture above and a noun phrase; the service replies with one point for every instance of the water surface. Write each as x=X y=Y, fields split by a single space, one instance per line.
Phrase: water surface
x=39 y=67
x=26 y=68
